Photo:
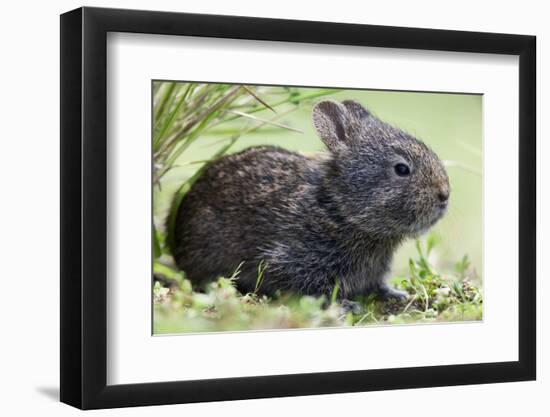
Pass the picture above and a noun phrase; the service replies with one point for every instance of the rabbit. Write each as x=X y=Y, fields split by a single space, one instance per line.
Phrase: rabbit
x=306 y=224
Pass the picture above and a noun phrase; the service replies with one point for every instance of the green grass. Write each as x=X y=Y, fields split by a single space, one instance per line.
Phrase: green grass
x=433 y=297
x=195 y=124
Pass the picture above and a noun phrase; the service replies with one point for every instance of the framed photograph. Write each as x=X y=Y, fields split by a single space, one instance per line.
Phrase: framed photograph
x=256 y=208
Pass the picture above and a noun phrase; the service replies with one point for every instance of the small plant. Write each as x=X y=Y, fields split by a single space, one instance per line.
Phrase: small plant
x=434 y=296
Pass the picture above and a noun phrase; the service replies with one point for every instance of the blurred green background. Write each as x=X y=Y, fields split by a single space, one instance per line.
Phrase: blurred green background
x=451 y=124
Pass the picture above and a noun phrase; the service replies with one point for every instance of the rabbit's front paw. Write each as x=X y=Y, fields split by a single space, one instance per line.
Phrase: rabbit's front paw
x=386 y=292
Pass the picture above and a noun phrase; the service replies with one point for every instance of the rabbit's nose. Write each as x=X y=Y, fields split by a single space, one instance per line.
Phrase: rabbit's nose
x=443 y=195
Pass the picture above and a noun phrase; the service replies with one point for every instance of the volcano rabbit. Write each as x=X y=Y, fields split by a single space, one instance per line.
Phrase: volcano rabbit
x=310 y=222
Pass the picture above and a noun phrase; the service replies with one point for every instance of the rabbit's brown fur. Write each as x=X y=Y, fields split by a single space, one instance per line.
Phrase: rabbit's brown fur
x=310 y=222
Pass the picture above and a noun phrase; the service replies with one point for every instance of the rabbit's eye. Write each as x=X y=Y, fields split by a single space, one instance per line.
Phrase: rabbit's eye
x=402 y=170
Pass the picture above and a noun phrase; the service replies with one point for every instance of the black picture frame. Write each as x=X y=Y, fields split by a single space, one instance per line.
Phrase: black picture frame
x=84 y=207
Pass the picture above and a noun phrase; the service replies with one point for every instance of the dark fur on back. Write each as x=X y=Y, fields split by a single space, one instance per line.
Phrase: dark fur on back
x=312 y=221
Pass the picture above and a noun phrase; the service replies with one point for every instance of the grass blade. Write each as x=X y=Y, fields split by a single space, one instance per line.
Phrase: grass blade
x=253 y=94
x=269 y=122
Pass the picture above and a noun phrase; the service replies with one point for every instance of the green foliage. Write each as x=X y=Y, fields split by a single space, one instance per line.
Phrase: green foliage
x=433 y=297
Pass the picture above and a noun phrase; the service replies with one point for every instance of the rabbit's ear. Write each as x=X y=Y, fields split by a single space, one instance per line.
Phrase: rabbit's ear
x=355 y=109
x=329 y=118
